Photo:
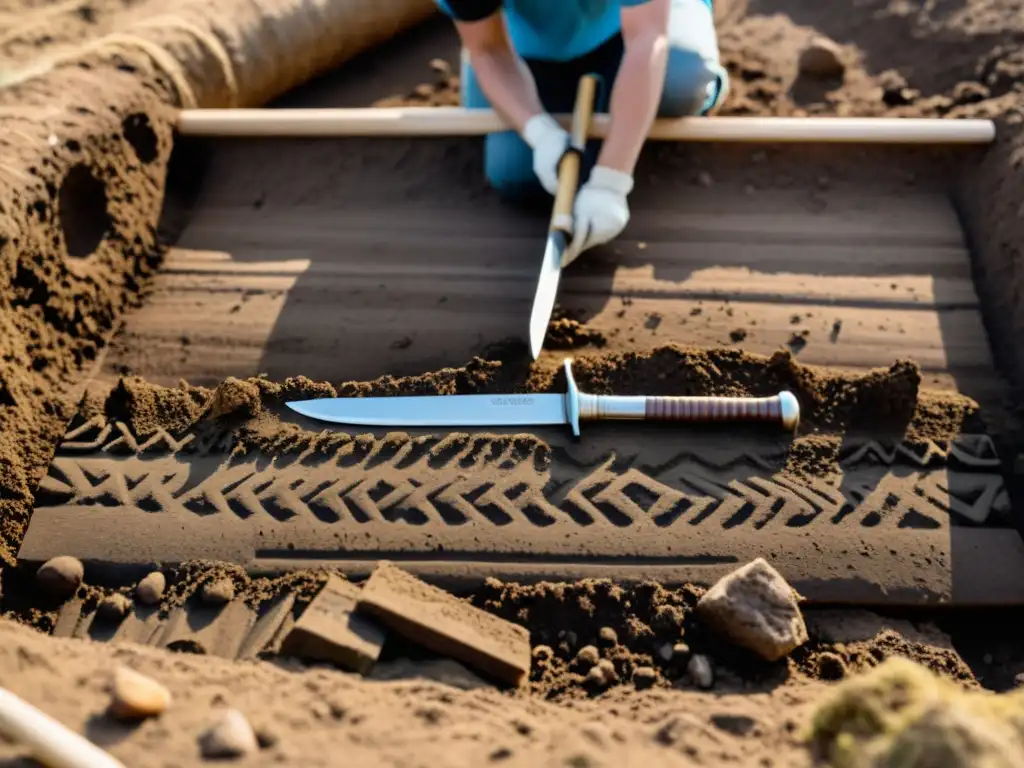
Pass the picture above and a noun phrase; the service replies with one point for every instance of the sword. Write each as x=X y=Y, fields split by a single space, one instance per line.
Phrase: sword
x=534 y=410
x=560 y=229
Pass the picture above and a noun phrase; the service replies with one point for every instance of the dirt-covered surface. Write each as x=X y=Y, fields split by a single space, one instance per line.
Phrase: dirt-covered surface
x=73 y=263
x=884 y=404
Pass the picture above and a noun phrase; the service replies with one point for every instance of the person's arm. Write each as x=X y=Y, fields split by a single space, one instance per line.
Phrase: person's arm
x=639 y=83
x=503 y=76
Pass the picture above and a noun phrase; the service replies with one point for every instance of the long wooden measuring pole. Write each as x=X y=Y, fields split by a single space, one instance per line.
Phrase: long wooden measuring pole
x=458 y=121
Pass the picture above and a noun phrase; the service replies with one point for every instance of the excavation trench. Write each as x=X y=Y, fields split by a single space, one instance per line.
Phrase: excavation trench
x=745 y=270
x=880 y=285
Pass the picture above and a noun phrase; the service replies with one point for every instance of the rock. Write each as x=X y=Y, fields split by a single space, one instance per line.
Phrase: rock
x=230 y=736
x=900 y=713
x=602 y=674
x=330 y=630
x=150 y=590
x=644 y=677
x=608 y=670
x=588 y=656
x=218 y=591
x=61 y=577
x=821 y=58
x=755 y=608
x=114 y=606
x=680 y=651
x=665 y=652
x=607 y=637
x=700 y=671
x=446 y=625
x=135 y=696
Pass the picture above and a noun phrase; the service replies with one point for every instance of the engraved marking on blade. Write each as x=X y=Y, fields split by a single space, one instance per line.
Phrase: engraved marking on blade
x=513 y=401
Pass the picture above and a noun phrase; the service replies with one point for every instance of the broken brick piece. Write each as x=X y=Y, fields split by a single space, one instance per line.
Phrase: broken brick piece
x=446 y=625
x=330 y=630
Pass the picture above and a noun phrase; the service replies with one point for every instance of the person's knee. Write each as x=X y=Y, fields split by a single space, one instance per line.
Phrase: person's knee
x=692 y=84
x=508 y=166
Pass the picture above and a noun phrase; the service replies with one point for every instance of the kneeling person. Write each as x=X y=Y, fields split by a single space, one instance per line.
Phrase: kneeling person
x=525 y=58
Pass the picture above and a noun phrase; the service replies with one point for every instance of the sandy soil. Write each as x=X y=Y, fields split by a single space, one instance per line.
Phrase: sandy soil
x=942 y=59
x=318 y=713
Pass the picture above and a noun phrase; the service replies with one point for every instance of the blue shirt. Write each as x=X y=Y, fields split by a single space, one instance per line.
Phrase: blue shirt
x=554 y=30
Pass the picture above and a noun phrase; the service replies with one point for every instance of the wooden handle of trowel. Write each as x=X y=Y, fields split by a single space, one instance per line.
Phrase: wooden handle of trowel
x=569 y=167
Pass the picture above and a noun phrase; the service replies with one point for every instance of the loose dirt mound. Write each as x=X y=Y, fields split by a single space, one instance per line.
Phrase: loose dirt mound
x=79 y=239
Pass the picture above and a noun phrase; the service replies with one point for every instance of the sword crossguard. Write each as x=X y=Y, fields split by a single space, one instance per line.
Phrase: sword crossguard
x=783 y=408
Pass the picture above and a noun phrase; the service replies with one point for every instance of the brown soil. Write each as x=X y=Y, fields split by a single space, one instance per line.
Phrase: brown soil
x=80 y=238
x=885 y=403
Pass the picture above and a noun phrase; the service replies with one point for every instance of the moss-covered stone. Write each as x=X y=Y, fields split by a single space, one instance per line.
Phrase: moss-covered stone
x=901 y=715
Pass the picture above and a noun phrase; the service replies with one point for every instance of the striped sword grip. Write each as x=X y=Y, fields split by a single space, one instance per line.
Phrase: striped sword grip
x=782 y=409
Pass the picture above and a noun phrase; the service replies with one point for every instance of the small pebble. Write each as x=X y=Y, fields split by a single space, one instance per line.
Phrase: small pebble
x=644 y=677
x=440 y=66
x=596 y=677
x=151 y=589
x=230 y=736
x=608 y=637
x=704 y=179
x=700 y=671
x=543 y=652
x=135 y=696
x=680 y=651
x=588 y=656
x=571 y=639
x=61 y=576
x=114 y=606
x=219 y=591
x=608 y=669
x=666 y=653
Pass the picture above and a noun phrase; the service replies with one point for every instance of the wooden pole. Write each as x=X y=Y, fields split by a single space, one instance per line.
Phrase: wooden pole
x=458 y=121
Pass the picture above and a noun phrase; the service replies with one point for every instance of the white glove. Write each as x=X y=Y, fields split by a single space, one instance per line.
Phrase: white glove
x=548 y=140
x=601 y=212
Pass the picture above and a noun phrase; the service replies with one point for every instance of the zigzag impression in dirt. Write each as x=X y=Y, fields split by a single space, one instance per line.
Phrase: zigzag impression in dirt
x=167 y=476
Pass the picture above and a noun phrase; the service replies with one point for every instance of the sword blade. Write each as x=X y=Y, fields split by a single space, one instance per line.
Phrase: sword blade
x=547 y=290
x=436 y=410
